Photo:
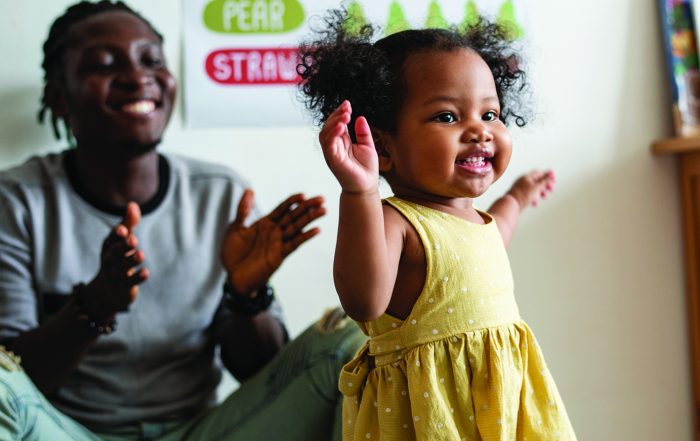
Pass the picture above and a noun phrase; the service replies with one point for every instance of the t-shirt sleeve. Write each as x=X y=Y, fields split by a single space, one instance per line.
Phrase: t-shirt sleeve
x=18 y=307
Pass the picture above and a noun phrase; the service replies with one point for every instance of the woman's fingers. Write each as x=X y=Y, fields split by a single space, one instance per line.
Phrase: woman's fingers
x=137 y=276
x=116 y=236
x=134 y=280
x=283 y=208
x=298 y=210
x=294 y=228
x=291 y=245
x=116 y=247
x=245 y=206
x=129 y=262
x=132 y=216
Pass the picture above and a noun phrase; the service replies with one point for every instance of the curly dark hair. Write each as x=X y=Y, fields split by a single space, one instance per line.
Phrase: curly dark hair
x=343 y=63
x=59 y=40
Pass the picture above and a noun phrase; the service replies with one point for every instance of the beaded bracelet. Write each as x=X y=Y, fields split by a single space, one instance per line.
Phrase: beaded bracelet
x=100 y=328
x=249 y=306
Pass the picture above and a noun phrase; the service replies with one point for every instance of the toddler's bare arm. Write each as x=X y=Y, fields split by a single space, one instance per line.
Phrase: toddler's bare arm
x=528 y=190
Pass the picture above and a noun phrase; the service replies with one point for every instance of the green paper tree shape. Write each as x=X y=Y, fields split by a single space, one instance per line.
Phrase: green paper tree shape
x=397 y=19
x=435 y=18
x=471 y=15
x=507 y=19
x=356 y=19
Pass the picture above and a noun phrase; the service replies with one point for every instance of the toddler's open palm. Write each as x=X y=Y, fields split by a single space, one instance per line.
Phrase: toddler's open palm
x=356 y=166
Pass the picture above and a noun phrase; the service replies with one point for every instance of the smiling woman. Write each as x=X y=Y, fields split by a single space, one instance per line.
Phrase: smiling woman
x=125 y=271
x=115 y=85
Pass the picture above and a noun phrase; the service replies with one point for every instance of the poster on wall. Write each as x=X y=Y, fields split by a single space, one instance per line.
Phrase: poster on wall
x=678 y=22
x=240 y=56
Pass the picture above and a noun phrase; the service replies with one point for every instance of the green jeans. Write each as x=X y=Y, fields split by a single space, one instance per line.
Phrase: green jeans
x=295 y=397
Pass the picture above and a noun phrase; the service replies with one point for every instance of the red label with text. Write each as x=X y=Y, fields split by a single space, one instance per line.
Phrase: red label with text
x=257 y=66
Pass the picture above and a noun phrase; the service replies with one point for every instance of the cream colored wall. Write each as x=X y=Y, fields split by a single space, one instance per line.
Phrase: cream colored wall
x=598 y=267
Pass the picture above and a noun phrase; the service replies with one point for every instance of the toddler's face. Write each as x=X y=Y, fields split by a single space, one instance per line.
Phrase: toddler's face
x=449 y=142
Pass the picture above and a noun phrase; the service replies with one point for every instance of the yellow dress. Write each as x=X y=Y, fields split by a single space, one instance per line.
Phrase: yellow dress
x=462 y=365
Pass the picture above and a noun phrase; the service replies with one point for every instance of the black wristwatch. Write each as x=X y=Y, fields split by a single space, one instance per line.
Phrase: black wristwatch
x=249 y=306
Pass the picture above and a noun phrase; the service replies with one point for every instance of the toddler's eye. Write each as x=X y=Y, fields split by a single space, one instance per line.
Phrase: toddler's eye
x=489 y=116
x=446 y=117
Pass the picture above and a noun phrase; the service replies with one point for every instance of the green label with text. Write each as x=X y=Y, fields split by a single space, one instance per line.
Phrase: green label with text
x=253 y=16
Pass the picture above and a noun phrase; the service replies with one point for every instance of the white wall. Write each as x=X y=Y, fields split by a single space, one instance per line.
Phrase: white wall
x=598 y=268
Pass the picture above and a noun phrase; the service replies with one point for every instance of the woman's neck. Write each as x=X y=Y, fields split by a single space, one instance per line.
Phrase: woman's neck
x=116 y=180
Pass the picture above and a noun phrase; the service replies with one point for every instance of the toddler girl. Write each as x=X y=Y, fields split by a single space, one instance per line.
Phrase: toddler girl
x=424 y=273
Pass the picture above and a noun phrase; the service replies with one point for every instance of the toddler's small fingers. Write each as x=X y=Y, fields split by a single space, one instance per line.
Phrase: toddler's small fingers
x=341 y=114
x=345 y=106
x=362 y=132
x=537 y=175
x=330 y=132
x=339 y=129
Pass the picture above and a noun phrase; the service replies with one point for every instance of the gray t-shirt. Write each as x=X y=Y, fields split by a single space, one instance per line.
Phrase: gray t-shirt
x=160 y=364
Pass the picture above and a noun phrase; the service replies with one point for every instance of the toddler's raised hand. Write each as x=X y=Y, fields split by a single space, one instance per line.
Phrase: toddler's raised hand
x=356 y=166
x=532 y=187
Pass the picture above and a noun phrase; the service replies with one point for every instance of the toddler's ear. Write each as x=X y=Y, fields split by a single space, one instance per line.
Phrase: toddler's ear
x=381 y=144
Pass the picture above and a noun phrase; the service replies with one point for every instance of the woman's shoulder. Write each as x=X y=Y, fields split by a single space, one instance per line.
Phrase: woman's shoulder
x=37 y=170
x=26 y=187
